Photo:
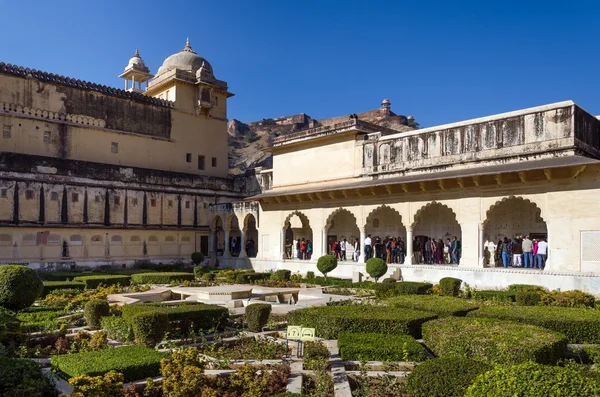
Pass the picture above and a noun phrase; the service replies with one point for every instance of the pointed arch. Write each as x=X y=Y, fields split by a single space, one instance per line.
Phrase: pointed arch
x=303 y=218
x=436 y=220
x=514 y=216
x=216 y=222
x=249 y=220
x=377 y=211
x=335 y=213
x=519 y=199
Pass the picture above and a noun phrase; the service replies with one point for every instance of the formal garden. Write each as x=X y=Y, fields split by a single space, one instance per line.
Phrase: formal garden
x=64 y=332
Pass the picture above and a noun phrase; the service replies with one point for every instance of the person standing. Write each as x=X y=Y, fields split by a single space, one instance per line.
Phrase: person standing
x=356 y=252
x=527 y=247
x=506 y=253
x=448 y=251
x=309 y=249
x=439 y=251
x=368 y=248
x=343 y=249
x=303 y=249
x=417 y=250
x=542 y=253
x=401 y=248
x=455 y=250
x=378 y=248
x=517 y=251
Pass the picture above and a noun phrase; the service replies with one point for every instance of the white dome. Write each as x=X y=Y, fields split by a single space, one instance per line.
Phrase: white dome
x=185 y=59
x=136 y=62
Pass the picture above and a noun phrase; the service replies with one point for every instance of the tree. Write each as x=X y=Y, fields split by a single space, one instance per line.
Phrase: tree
x=326 y=264
x=376 y=267
x=197 y=258
x=20 y=286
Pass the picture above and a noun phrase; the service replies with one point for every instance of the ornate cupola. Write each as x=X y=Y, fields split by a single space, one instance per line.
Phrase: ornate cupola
x=136 y=72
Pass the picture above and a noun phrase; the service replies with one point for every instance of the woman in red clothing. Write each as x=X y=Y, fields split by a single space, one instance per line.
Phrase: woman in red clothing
x=303 y=249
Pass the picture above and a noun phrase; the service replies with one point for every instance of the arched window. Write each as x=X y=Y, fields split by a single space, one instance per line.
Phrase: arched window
x=116 y=239
x=152 y=240
x=76 y=239
x=135 y=239
x=97 y=239
x=5 y=239
x=29 y=239
x=53 y=239
x=169 y=239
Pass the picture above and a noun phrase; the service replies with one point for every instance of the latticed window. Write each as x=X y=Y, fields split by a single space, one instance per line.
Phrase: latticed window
x=6 y=131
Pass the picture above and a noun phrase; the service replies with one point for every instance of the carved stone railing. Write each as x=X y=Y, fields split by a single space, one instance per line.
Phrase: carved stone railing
x=52 y=78
x=46 y=114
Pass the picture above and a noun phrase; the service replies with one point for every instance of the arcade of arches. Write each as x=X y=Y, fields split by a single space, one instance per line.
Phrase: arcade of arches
x=241 y=242
x=478 y=223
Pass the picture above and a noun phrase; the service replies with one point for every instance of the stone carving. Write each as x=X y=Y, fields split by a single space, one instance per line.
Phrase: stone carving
x=369 y=155
x=384 y=154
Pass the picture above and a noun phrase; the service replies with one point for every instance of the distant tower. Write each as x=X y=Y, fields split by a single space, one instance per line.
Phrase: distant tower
x=386 y=108
x=136 y=73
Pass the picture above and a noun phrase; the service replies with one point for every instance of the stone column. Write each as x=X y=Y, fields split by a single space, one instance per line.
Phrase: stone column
x=324 y=242
x=409 y=246
x=469 y=239
x=282 y=255
x=243 y=253
x=361 y=244
x=212 y=252
x=481 y=248
x=226 y=253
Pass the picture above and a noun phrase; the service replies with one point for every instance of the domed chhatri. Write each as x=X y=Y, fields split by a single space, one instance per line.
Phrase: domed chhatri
x=186 y=59
x=136 y=72
x=137 y=62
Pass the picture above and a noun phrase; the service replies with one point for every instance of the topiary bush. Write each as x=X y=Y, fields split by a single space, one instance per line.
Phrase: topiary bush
x=23 y=377
x=380 y=347
x=532 y=380
x=315 y=353
x=197 y=258
x=257 y=316
x=20 y=286
x=282 y=275
x=161 y=278
x=441 y=305
x=376 y=267
x=444 y=377
x=528 y=298
x=450 y=286
x=149 y=327
x=573 y=298
x=579 y=325
x=389 y=290
x=326 y=264
x=93 y=282
x=329 y=321
x=494 y=296
x=389 y=280
x=310 y=275
x=493 y=341
x=93 y=311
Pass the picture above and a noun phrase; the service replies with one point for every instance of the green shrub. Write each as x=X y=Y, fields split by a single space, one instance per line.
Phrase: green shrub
x=134 y=362
x=493 y=341
x=51 y=286
x=117 y=328
x=326 y=264
x=376 y=267
x=93 y=282
x=573 y=298
x=441 y=305
x=40 y=319
x=282 y=275
x=532 y=380
x=310 y=275
x=444 y=377
x=413 y=288
x=20 y=286
x=9 y=326
x=494 y=296
x=185 y=317
x=450 y=286
x=330 y=320
x=59 y=275
x=251 y=278
x=380 y=347
x=149 y=327
x=389 y=280
x=578 y=325
x=93 y=311
x=257 y=316
x=197 y=258
x=161 y=278
x=385 y=290
x=315 y=353
x=23 y=377
x=209 y=276
x=528 y=298
x=525 y=287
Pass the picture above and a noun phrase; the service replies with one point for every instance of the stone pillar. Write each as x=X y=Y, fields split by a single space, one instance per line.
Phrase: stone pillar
x=409 y=246
x=226 y=253
x=481 y=247
x=282 y=254
x=243 y=253
x=324 y=242
x=361 y=244
x=470 y=246
x=212 y=252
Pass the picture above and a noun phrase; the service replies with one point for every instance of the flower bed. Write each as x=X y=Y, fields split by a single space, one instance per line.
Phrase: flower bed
x=380 y=347
x=51 y=286
x=441 y=305
x=579 y=325
x=41 y=319
x=493 y=341
x=93 y=282
x=134 y=362
x=161 y=277
x=331 y=320
x=245 y=349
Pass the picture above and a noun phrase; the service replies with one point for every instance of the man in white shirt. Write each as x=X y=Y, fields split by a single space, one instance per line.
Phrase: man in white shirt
x=542 y=254
x=368 y=248
x=343 y=249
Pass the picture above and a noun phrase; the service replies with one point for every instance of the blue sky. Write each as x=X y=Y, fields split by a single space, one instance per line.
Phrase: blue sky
x=438 y=61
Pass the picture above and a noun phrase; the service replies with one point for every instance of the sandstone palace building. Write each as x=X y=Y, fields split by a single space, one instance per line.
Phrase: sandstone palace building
x=93 y=175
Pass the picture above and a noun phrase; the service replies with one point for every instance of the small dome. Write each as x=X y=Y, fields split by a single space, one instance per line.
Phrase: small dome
x=136 y=60
x=186 y=59
x=385 y=102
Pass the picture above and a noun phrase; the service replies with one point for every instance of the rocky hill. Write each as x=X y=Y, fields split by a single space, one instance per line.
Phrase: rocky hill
x=247 y=141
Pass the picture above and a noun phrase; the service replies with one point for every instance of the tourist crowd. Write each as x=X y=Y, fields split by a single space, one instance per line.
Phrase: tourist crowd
x=522 y=252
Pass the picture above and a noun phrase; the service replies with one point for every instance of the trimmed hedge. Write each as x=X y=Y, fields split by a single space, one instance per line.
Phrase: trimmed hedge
x=444 y=377
x=161 y=277
x=376 y=267
x=494 y=296
x=93 y=311
x=579 y=325
x=117 y=328
x=575 y=298
x=20 y=286
x=525 y=287
x=134 y=362
x=185 y=317
x=441 y=305
x=257 y=316
x=282 y=275
x=532 y=380
x=389 y=280
x=388 y=290
x=59 y=275
x=149 y=327
x=23 y=377
x=40 y=319
x=450 y=286
x=380 y=347
x=326 y=264
x=51 y=286
x=329 y=321
x=493 y=341
x=528 y=298
x=93 y=282
x=251 y=278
